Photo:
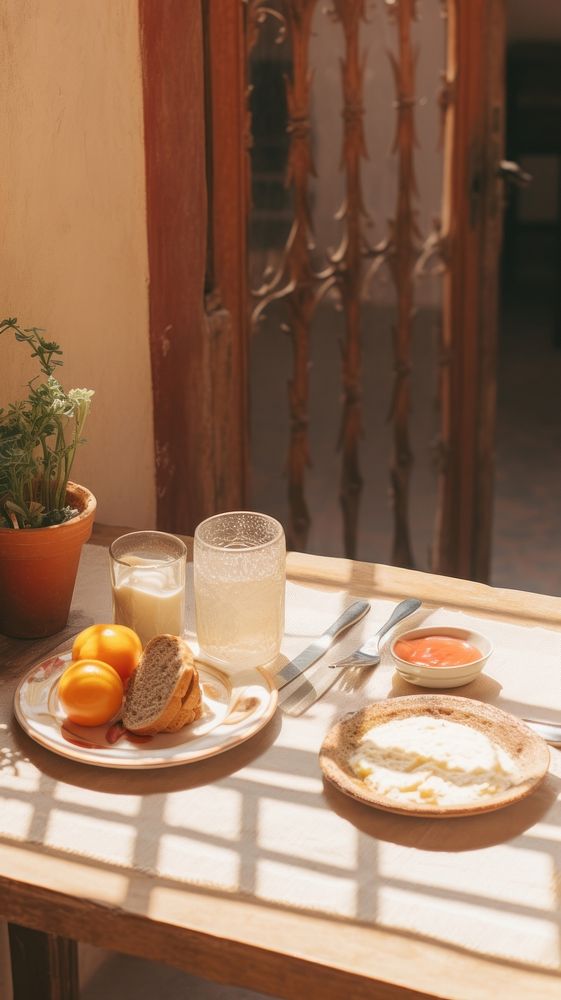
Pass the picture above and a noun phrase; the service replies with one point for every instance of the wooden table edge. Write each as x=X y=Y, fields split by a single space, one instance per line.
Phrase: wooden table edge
x=378 y=579
x=284 y=952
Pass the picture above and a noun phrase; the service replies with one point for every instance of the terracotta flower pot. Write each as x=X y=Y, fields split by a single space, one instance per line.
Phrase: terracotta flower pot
x=38 y=568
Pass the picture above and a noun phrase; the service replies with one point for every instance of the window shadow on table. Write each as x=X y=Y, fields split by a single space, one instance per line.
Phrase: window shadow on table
x=483 y=688
x=459 y=833
x=182 y=958
x=255 y=774
x=142 y=782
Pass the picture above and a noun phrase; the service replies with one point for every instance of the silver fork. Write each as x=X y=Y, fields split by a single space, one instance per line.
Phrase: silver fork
x=368 y=655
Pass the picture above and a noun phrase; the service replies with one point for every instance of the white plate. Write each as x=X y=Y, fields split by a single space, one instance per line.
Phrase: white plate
x=232 y=714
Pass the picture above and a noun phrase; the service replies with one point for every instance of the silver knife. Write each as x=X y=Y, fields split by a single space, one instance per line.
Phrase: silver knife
x=316 y=683
x=300 y=663
x=549 y=732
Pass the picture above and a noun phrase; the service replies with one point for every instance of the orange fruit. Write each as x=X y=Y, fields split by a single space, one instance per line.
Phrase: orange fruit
x=90 y=692
x=116 y=645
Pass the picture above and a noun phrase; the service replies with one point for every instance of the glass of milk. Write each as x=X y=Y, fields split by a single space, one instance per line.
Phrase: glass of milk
x=148 y=583
x=239 y=572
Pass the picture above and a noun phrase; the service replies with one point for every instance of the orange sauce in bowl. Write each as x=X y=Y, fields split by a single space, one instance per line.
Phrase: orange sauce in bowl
x=436 y=651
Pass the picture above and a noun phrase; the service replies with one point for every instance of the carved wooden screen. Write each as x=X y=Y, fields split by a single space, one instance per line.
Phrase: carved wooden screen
x=369 y=201
x=342 y=253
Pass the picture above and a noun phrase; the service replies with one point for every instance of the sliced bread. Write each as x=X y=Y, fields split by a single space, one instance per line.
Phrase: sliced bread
x=164 y=679
x=191 y=707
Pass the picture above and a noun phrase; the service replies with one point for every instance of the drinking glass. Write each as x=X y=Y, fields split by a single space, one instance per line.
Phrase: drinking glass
x=239 y=568
x=148 y=583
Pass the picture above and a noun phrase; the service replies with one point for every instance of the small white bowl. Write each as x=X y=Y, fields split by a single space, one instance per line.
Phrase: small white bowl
x=442 y=677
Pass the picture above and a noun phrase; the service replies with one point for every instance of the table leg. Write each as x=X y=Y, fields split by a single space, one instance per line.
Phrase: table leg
x=44 y=967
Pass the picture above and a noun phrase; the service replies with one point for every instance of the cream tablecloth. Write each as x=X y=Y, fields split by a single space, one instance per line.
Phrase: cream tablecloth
x=258 y=821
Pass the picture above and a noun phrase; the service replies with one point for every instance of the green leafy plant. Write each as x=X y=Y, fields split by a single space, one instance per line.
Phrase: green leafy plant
x=39 y=437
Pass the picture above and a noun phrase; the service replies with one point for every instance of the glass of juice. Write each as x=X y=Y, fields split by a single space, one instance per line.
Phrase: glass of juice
x=148 y=583
x=239 y=570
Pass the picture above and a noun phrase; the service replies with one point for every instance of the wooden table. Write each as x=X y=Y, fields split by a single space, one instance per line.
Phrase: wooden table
x=244 y=937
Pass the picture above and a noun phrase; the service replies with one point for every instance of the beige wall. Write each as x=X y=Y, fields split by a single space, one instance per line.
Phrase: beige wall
x=73 y=255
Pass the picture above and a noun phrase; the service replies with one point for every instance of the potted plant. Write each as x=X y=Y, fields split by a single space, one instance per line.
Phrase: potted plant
x=44 y=518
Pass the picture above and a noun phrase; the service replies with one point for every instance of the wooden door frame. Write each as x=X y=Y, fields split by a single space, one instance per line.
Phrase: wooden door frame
x=227 y=288
x=472 y=226
x=193 y=139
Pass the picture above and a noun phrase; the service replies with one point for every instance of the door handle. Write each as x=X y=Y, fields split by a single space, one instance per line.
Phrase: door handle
x=512 y=173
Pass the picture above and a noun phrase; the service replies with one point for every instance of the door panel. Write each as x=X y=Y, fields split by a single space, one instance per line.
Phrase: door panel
x=347 y=258
x=351 y=273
